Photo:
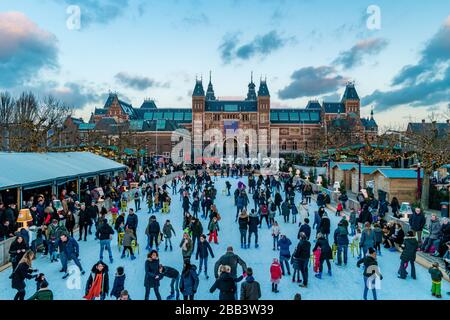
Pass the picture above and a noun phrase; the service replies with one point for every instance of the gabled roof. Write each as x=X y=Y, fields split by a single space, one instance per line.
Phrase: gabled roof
x=313 y=104
x=398 y=173
x=263 y=90
x=126 y=107
x=198 y=89
x=369 y=123
x=369 y=169
x=31 y=169
x=149 y=104
x=350 y=93
x=294 y=116
x=334 y=107
x=344 y=166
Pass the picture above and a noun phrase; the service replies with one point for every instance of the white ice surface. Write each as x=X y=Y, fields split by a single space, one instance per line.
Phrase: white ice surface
x=346 y=282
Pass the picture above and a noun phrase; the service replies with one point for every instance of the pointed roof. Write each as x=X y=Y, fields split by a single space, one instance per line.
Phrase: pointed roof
x=198 y=89
x=210 y=92
x=313 y=104
x=263 y=90
x=149 y=104
x=350 y=92
x=126 y=107
x=251 y=94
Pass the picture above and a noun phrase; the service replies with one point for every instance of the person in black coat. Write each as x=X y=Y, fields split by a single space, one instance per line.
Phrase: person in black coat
x=174 y=275
x=98 y=269
x=324 y=226
x=371 y=272
x=253 y=222
x=17 y=250
x=84 y=222
x=152 y=274
x=132 y=221
x=325 y=254
x=408 y=256
x=152 y=231
x=93 y=212
x=300 y=260
x=305 y=228
x=365 y=215
x=243 y=227
x=417 y=222
x=202 y=252
x=23 y=271
x=226 y=284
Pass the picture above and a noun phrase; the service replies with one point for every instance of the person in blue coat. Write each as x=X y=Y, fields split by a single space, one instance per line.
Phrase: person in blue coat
x=119 y=283
x=285 y=254
x=189 y=281
x=68 y=250
x=368 y=238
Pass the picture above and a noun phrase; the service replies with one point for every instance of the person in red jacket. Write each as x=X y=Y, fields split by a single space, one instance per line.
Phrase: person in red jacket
x=275 y=274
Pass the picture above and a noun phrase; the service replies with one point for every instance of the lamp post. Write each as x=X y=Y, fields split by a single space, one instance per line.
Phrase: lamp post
x=359 y=173
x=419 y=182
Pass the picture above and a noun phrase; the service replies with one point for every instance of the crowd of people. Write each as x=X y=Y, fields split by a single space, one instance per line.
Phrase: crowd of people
x=259 y=201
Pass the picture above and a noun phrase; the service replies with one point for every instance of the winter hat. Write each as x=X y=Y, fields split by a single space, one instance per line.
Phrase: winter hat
x=44 y=284
x=371 y=251
x=120 y=271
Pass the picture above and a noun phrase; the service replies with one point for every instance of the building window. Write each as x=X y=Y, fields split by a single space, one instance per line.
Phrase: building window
x=306 y=145
x=284 y=145
x=294 y=145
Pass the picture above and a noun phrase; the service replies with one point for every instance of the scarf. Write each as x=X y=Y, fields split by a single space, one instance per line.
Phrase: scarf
x=96 y=288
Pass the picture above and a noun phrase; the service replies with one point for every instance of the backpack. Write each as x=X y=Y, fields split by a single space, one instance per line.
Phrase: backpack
x=273 y=207
x=263 y=209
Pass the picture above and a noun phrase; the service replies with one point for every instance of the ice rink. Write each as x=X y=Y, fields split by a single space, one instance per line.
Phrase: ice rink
x=345 y=284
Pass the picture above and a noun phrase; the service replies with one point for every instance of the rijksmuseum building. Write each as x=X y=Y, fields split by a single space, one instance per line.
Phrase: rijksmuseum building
x=300 y=129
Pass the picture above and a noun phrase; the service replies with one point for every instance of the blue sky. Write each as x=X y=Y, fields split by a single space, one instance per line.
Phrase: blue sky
x=307 y=49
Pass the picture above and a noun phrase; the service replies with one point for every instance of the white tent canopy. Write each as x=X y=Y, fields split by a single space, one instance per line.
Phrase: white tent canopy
x=22 y=169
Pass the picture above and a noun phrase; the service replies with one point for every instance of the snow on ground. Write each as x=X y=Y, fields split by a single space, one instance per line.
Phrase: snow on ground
x=346 y=282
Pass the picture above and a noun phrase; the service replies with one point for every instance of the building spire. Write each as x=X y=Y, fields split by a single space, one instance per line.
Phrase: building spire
x=371 y=114
x=210 y=91
x=251 y=94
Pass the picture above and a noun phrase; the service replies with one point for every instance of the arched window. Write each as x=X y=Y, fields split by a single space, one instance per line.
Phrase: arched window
x=283 y=145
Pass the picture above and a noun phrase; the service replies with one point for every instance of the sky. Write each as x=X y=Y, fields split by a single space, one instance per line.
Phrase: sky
x=396 y=52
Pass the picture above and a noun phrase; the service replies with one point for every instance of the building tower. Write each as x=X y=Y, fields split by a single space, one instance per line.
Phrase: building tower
x=198 y=114
x=263 y=116
x=351 y=100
